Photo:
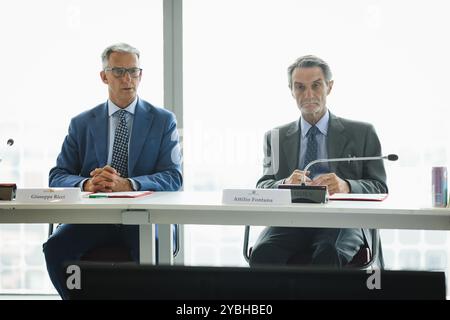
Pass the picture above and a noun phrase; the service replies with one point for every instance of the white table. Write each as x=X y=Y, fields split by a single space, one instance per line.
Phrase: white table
x=165 y=208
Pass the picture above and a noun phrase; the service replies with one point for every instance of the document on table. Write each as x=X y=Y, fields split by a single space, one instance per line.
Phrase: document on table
x=131 y=194
x=359 y=196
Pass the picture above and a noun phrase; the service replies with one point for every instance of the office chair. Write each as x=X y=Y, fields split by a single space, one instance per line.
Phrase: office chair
x=365 y=258
x=119 y=253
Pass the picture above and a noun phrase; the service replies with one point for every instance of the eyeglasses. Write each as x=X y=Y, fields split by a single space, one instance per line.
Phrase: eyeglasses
x=120 y=72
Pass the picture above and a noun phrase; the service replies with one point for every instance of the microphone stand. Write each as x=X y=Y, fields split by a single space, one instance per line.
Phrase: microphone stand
x=8 y=190
x=392 y=157
x=301 y=193
x=10 y=142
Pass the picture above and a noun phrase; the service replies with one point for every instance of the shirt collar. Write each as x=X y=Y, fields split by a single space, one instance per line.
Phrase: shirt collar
x=113 y=108
x=322 y=124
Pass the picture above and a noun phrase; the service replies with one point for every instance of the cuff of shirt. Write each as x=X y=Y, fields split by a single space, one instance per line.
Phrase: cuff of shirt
x=134 y=184
x=81 y=184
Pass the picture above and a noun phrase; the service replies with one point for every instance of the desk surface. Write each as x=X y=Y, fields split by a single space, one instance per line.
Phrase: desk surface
x=207 y=208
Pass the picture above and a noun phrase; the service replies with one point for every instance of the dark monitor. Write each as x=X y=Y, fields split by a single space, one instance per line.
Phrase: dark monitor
x=115 y=281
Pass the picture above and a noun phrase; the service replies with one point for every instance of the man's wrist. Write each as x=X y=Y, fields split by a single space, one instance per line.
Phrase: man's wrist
x=82 y=184
x=349 y=187
x=133 y=184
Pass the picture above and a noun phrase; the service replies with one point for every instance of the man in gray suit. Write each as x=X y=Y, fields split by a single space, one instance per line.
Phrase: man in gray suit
x=318 y=134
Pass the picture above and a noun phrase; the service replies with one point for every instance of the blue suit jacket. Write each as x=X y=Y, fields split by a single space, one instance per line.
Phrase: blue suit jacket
x=154 y=156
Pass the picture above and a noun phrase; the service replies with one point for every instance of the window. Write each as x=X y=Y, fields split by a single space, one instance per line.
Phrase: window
x=390 y=68
x=51 y=59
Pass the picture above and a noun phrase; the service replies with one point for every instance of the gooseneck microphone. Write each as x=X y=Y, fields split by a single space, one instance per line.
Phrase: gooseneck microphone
x=8 y=190
x=301 y=193
x=10 y=142
x=390 y=157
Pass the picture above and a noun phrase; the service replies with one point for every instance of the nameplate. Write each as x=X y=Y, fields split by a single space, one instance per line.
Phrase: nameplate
x=36 y=195
x=256 y=196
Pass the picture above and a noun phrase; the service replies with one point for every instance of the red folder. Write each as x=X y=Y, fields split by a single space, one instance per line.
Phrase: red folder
x=358 y=196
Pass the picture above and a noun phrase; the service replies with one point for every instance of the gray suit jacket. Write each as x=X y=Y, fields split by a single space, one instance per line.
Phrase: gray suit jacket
x=346 y=138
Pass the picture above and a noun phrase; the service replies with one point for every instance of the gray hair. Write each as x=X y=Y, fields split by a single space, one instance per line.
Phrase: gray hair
x=118 y=47
x=310 y=61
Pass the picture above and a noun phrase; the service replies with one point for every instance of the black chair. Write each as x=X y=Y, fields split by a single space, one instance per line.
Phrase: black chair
x=365 y=258
x=119 y=253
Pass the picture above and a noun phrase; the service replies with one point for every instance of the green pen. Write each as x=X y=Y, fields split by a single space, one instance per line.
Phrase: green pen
x=97 y=196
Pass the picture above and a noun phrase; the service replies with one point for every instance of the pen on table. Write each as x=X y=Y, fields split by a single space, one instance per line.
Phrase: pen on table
x=97 y=196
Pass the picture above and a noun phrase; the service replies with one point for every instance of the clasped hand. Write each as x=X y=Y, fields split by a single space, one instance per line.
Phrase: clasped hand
x=106 y=179
x=331 y=180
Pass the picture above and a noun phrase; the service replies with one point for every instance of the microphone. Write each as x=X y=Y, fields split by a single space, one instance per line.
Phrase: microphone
x=10 y=142
x=390 y=157
x=8 y=190
x=318 y=194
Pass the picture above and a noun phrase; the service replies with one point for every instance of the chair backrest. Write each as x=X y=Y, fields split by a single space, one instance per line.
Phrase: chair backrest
x=364 y=258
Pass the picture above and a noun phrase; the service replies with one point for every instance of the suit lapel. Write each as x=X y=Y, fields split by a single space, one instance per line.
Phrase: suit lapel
x=291 y=146
x=142 y=123
x=99 y=132
x=337 y=140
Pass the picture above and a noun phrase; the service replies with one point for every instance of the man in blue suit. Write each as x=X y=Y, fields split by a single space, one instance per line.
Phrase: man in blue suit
x=124 y=144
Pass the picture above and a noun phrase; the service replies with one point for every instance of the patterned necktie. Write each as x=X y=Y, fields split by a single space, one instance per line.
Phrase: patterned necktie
x=311 y=150
x=120 y=147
